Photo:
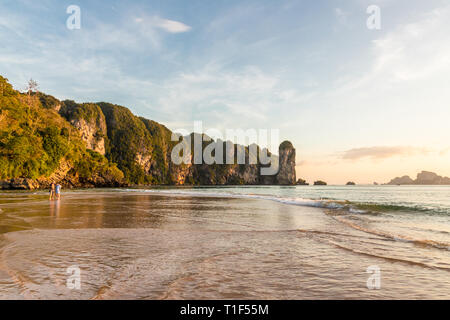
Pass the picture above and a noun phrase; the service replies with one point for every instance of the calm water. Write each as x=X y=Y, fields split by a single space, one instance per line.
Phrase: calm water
x=227 y=243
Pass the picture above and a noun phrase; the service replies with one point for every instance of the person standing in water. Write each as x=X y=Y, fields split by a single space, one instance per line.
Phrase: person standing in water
x=58 y=191
x=52 y=191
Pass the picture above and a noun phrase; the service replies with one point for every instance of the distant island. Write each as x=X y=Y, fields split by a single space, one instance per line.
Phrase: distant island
x=423 y=178
x=44 y=140
x=302 y=182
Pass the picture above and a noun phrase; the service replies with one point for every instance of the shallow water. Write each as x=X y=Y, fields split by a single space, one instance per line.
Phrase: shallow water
x=223 y=243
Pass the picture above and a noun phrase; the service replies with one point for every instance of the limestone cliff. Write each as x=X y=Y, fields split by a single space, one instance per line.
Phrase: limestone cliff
x=45 y=140
x=286 y=174
x=90 y=122
x=38 y=146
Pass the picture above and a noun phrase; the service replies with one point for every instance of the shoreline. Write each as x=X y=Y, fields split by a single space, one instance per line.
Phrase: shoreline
x=35 y=184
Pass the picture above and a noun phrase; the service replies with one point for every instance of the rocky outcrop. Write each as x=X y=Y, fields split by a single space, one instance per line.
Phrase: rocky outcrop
x=90 y=122
x=150 y=144
x=431 y=178
x=181 y=174
x=320 y=183
x=235 y=174
x=19 y=184
x=350 y=183
x=92 y=133
x=423 y=178
x=67 y=176
x=144 y=159
x=286 y=173
x=401 y=180
x=302 y=182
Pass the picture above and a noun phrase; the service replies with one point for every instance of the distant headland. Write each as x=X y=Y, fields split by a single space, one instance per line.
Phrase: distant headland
x=423 y=178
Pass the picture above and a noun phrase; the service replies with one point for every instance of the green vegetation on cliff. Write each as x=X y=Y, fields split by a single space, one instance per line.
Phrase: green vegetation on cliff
x=87 y=111
x=127 y=139
x=35 y=141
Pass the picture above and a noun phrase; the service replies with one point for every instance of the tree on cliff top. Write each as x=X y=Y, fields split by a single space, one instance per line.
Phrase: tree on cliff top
x=32 y=86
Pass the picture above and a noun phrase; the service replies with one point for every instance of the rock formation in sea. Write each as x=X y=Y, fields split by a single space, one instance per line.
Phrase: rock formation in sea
x=350 y=183
x=44 y=140
x=431 y=178
x=320 y=183
x=402 y=180
x=286 y=173
x=302 y=182
x=423 y=178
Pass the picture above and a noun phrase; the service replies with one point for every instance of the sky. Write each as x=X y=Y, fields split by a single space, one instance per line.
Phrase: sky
x=358 y=104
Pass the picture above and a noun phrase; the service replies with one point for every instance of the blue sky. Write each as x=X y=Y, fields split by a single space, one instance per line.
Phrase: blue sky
x=358 y=104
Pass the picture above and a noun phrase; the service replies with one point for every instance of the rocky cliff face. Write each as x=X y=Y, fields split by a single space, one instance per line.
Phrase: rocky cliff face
x=92 y=133
x=142 y=148
x=286 y=174
x=90 y=122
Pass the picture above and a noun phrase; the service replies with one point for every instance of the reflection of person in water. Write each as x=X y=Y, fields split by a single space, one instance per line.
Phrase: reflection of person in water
x=58 y=191
x=52 y=191
x=54 y=209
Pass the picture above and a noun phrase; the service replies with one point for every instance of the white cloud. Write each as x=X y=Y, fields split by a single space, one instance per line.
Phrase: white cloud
x=171 y=25
x=167 y=25
x=415 y=51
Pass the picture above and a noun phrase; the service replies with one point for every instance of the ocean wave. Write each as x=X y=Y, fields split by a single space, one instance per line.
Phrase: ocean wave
x=385 y=257
x=324 y=203
x=402 y=238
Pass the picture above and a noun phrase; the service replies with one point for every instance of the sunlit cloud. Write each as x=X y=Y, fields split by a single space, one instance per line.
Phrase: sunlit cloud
x=381 y=152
